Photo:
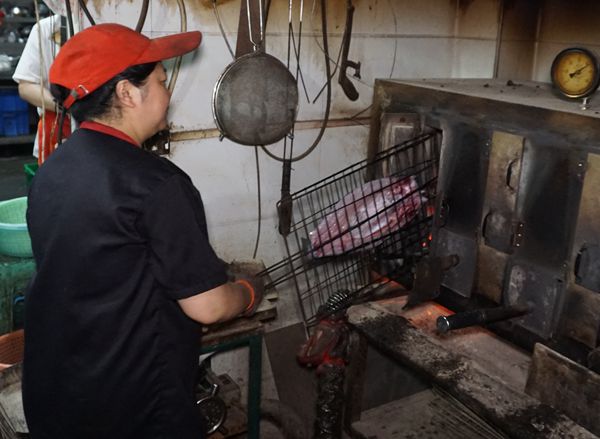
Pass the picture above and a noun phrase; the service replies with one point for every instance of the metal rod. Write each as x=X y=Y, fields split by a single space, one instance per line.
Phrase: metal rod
x=479 y=317
x=499 y=37
x=257 y=46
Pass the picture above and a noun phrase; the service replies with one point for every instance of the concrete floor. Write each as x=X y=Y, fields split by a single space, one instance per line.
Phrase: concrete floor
x=12 y=175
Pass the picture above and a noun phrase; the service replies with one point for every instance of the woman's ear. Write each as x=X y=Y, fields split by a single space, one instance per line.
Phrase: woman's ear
x=126 y=93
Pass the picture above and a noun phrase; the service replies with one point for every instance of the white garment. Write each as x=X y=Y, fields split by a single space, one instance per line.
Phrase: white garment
x=32 y=67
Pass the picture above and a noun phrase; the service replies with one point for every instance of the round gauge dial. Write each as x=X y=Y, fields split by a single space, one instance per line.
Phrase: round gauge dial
x=575 y=72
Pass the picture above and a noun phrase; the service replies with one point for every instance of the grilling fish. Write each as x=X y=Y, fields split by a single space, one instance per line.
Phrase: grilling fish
x=366 y=214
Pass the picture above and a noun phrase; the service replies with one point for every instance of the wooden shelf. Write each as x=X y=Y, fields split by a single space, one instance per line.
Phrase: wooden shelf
x=17 y=140
x=12 y=49
x=7 y=75
x=28 y=20
x=20 y=3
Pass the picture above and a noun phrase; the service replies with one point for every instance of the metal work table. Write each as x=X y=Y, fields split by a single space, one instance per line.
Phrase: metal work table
x=241 y=333
x=476 y=367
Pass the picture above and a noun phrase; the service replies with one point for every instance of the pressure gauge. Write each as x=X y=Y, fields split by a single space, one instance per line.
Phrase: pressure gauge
x=575 y=72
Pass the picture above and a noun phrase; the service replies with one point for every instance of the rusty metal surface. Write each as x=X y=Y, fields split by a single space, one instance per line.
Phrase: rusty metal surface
x=430 y=414
x=587 y=233
x=588 y=226
x=549 y=190
x=527 y=108
x=461 y=277
x=540 y=288
x=499 y=359
x=461 y=184
x=518 y=185
x=462 y=176
x=514 y=412
x=428 y=277
x=581 y=316
x=397 y=128
x=491 y=270
x=511 y=176
x=575 y=390
x=501 y=190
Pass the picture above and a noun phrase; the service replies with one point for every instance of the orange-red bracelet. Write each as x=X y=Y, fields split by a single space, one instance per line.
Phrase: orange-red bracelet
x=252 y=293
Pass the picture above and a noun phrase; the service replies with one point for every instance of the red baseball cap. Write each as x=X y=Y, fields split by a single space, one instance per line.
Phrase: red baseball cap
x=97 y=54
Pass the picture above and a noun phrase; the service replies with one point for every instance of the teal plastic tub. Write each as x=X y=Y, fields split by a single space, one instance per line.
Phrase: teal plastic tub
x=14 y=236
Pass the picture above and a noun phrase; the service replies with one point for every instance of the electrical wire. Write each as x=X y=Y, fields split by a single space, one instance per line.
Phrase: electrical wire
x=84 y=8
x=62 y=110
x=218 y=18
x=143 y=15
x=258 y=189
x=71 y=29
x=336 y=63
x=141 y=19
x=328 y=101
x=297 y=53
x=183 y=28
x=395 y=39
x=286 y=170
x=259 y=202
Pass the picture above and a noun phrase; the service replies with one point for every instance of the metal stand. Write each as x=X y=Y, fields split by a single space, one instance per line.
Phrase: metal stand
x=254 y=343
x=585 y=104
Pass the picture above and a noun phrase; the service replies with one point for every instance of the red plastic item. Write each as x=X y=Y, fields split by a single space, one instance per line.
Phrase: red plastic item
x=12 y=346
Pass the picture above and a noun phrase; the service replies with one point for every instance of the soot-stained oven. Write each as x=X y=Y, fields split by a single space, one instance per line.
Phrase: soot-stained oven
x=518 y=201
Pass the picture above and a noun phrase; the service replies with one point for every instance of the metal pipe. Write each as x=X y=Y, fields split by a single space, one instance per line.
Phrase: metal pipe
x=479 y=317
x=499 y=36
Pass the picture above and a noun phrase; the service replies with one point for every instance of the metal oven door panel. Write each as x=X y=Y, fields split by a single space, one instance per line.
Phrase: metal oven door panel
x=459 y=278
x=580 y=319
x=547 y=203
x=491 y=272
x=542 y=289
x=501 y=190
x=461 y=184
x=581 y=316
x=397 y=128
x=586 y=257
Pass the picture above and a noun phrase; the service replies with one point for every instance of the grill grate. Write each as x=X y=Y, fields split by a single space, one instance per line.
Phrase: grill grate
x=347 y=227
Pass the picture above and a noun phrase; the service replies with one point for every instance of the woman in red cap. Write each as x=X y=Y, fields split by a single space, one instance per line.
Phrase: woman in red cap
x=125 y=271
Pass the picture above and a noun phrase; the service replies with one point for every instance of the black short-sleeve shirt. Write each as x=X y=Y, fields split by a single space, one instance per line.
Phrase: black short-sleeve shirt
x=118 y=235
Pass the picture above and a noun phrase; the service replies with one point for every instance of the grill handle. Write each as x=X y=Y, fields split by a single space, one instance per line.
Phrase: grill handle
x=479 y=317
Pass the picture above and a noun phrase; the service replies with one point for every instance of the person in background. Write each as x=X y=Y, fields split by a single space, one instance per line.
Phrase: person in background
x=126 y=274
x=31 y=73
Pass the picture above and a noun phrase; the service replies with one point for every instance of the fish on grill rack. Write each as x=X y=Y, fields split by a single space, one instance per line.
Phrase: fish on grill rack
x=371 y=211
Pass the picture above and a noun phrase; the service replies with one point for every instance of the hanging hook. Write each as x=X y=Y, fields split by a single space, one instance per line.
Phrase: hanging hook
x=257 y=46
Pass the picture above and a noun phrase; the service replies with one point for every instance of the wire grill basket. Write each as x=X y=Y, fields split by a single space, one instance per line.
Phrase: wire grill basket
x=372 y=217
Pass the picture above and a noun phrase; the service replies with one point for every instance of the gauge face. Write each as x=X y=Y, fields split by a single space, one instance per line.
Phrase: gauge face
x=575 y=72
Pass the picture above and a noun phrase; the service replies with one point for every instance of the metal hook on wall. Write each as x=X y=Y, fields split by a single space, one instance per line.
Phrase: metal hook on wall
x=259 y=45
